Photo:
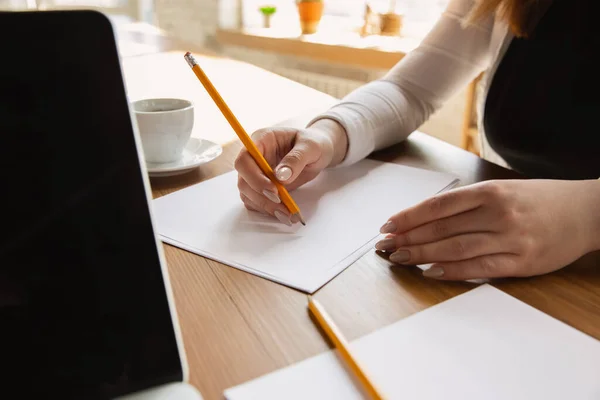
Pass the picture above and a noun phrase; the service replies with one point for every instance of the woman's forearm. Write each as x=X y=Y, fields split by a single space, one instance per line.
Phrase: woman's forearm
x=385 y=111
x=377 y=115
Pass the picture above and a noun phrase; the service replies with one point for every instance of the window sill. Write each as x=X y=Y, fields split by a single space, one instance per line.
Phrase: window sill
x=349 y=49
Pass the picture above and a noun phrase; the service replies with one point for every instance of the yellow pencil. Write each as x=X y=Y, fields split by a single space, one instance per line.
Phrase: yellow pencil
x=334 y=334
x=286 y=199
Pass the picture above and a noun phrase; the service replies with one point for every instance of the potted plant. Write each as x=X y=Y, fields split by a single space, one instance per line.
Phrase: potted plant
x=391 y=22
x=267 y=11
x=310 y=12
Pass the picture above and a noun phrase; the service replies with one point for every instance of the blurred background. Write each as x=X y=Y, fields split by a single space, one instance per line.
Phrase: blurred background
x=333 y=46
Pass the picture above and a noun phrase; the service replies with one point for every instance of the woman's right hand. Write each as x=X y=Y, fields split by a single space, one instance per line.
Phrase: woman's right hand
x=297 y=156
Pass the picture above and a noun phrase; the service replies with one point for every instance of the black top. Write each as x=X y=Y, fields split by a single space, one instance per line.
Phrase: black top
x=542 y=112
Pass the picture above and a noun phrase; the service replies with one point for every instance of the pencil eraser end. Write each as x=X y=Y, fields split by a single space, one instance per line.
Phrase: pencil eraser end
x=187 y=54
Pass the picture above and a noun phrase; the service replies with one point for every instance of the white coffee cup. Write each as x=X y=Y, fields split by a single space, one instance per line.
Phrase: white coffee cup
x=165 y=126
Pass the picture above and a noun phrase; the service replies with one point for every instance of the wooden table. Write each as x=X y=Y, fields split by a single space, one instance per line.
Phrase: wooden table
x=237 y=326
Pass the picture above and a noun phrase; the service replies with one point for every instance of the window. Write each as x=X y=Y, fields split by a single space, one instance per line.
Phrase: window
x=347 y=15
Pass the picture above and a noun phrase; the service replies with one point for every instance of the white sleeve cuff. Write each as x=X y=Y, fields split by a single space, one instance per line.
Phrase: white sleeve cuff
x=360 y=141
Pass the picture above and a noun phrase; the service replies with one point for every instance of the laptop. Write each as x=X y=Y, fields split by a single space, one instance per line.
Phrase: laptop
x=86 y=309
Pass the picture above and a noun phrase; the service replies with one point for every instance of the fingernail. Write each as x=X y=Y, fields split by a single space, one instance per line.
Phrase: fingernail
x=271 y=196
x=295 y=218
x=386 y=245
x=283 y=218
x=388 y=227
x=400 y=256
x=434 y=272
x=284 y=173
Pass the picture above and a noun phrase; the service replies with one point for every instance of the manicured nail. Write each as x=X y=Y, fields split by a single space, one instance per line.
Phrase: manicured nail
x=434 y=272
x=388 y=227
x=271 y=196
x=400 y=256
x=283 y=218
x=386 y=245
x=284 y=173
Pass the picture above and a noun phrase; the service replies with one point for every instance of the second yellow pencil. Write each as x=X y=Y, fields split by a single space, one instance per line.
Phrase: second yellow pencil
x=334 y=334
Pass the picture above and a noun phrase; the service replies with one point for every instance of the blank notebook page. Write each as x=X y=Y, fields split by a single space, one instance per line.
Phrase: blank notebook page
x=343 y=208
x=483 y=344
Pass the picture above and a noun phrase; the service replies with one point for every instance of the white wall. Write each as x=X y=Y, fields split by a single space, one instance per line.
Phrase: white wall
x=194 y=21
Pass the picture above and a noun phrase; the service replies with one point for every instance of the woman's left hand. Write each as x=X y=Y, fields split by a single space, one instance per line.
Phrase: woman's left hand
x=497 y=229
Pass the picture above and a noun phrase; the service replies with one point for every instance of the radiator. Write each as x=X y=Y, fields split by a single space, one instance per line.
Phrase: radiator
x=333 y=86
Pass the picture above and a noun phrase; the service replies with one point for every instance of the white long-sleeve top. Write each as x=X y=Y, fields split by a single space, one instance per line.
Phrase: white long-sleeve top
x=385 y=111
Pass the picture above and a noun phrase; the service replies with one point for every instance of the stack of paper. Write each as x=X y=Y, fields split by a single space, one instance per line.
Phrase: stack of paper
x=343 y=208
x=483 y=344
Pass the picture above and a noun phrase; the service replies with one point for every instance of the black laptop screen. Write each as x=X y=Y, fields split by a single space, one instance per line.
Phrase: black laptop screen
x=83 y=308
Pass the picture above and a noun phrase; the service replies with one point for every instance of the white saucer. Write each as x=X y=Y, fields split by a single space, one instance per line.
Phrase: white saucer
x=195 y=153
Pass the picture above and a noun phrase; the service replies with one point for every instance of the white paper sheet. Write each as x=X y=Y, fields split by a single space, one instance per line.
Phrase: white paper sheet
x=343 y=208
x=483 y=344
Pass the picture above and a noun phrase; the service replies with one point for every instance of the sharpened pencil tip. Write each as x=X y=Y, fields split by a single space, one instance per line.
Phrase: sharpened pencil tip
x=301 y=219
